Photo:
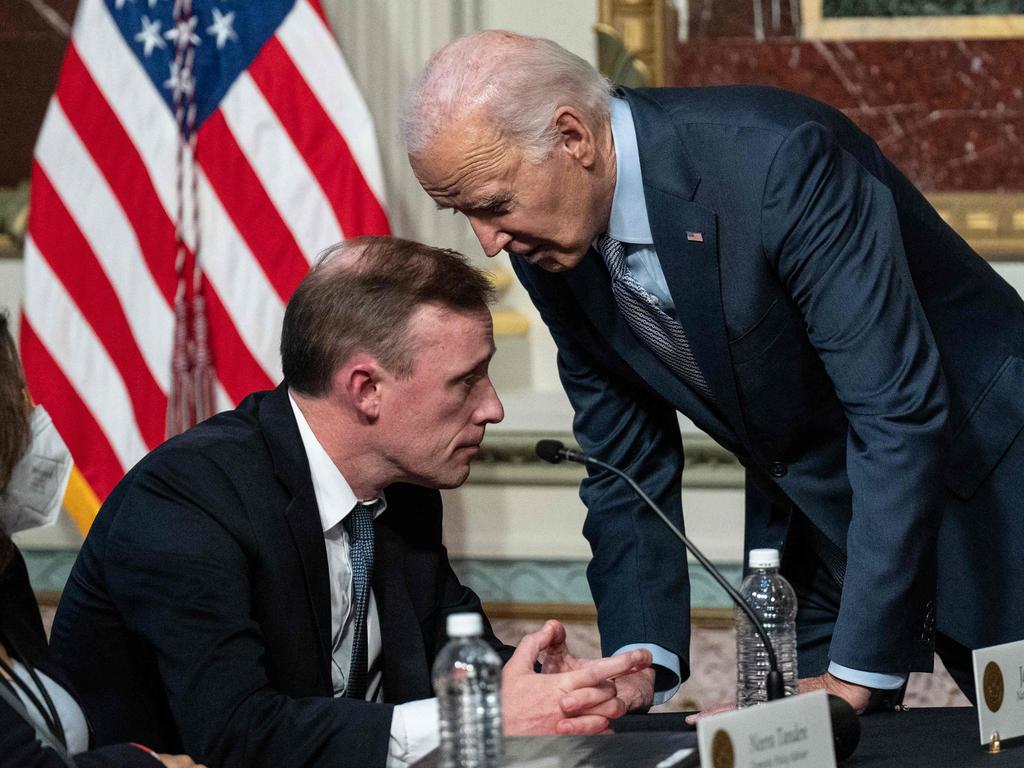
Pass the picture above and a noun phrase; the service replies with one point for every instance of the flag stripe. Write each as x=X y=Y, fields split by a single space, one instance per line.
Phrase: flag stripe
x=63 y=330
x=151 y=128
x=311 y=46
x=324 y=148
x=131 y=95
x=281 y=168
x=244 y=374
x=64 y=247
x=120 y=163
x=250 y=208
x=287 y=165
x=51 y=388
x=80 y=186
x=254 y=306
x=95 y=209
x=319 y=10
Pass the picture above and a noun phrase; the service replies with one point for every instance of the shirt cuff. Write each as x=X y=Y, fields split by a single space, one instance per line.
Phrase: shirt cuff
x=414 y=732
x=666 y=669
x=879 y=680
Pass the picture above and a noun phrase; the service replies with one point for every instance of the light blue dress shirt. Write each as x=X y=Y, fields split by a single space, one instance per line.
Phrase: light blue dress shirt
x=629 y=225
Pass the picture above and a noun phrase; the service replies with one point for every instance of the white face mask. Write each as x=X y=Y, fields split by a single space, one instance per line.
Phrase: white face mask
x=35 y=491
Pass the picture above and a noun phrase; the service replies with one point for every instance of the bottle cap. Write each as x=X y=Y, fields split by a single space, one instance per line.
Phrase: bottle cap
x=465 y=625
x=764 y=558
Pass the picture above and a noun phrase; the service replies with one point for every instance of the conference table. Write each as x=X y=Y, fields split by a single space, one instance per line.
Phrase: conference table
x=915 y=738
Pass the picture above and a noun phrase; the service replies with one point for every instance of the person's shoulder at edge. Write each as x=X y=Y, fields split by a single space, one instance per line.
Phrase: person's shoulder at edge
x=743 y=106
x=225 y=445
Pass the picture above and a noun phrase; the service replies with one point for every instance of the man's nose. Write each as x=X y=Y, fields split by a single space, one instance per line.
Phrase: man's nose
x=491 y=410
x=491 y=238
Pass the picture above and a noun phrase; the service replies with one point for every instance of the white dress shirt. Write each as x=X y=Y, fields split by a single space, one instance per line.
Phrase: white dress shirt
x=630 y=225
x=414 y=726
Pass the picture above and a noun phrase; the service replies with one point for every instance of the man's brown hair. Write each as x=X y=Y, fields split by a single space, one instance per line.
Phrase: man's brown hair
x=14 y=410
x=360 y=296
x=15 y=424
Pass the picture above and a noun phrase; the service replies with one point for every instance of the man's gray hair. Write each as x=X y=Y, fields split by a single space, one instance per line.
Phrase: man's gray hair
x=519 y=81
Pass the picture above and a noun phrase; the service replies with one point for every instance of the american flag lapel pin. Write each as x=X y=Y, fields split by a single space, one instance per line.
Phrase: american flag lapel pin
x=695 y=237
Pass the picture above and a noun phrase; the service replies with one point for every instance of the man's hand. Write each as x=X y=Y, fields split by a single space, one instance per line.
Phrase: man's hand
x=635 y=690
x=857 y=696
x=536 y=704
x=714 y=709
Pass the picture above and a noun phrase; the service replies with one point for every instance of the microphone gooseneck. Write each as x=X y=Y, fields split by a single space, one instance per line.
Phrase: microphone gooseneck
x=554 y=452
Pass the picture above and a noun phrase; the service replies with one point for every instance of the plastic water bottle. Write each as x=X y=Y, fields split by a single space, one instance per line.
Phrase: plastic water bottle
x=774 y=601
x=467 y=681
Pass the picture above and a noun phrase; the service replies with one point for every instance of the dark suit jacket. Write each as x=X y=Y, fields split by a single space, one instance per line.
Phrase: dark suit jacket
x=867 y=367
x=21 y=631
x=201 y=594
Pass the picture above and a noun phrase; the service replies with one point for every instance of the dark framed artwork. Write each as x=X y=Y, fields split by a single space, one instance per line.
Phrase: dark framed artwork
x=911 y=19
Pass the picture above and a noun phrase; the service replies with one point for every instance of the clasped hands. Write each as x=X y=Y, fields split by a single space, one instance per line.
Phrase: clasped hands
x=570 y=695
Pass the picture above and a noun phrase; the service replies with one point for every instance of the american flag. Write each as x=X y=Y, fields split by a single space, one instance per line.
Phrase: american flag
x=195 y=156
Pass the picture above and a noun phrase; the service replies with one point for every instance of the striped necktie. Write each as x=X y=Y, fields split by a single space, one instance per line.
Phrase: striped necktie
x=651 y=324
x=359 y=524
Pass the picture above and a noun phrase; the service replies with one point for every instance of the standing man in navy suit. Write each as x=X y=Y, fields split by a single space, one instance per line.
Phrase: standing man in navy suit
x=748 y=257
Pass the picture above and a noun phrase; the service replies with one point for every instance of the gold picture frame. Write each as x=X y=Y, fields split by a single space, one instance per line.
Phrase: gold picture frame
x=817 y=27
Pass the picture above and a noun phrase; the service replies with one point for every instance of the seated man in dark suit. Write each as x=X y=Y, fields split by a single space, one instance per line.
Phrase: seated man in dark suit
x=270 y=588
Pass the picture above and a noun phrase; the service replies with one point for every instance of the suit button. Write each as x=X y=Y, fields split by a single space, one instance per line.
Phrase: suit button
x=777 y=469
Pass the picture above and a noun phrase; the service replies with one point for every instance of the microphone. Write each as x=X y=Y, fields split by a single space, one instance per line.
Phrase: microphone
x=554 y=452
x=845 y=725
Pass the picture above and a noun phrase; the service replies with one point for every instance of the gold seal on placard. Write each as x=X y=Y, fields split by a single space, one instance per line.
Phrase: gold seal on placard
x=992 y=686
x=722 y=753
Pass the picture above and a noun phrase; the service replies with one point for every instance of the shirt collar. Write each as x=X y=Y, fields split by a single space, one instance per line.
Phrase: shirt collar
x=628 y=222
x=334 y=496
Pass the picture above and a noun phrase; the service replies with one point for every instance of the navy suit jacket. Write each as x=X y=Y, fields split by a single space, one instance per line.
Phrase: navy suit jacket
x=201 y=596
x=867 y=368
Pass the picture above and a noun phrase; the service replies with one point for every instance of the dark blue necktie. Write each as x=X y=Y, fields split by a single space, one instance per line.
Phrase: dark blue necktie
x=359 y=524
x=651 y=324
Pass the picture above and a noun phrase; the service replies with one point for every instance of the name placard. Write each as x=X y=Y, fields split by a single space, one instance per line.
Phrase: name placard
x=999 y=687
x=794 y=732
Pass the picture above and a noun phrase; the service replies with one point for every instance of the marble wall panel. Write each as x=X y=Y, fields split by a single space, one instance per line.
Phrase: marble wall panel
x=723 y=19
x=920 y=7
x=949 y=113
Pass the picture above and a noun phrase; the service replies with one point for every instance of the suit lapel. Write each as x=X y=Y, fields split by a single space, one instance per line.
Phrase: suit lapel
x=291 y=466
x=406 y=677
x=304 y=524
x=591 y=285
x=686 y=240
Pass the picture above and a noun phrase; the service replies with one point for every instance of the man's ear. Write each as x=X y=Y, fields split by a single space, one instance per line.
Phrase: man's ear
x=358 y=384
x=576 y=136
